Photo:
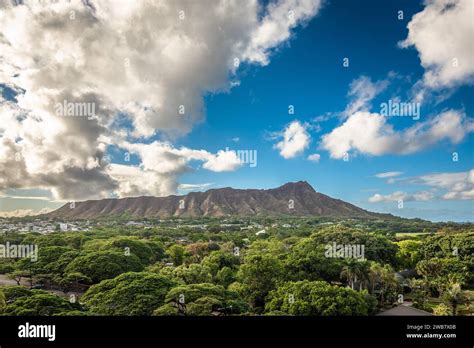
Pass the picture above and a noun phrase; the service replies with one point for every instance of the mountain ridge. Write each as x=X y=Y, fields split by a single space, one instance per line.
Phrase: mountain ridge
x=292 y=199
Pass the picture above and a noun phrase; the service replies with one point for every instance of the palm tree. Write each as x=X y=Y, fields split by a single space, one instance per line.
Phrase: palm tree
x=419 y=290
x=389 y=281
x=354 y=271
x=454 y=296
x=382 y=279
x=347 y=273
x=374 y=276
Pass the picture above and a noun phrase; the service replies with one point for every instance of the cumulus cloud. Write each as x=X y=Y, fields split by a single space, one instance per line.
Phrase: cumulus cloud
x=369 y=133
x=315 y=157
x=161 y=164
x=361 y=92
x=223 y=161
x=448 y=186
x=153 y=60
x=276 y=25
x=402 y=196
x=442 y=34
x=150 y=62
x=457 y=185
x=295 y=140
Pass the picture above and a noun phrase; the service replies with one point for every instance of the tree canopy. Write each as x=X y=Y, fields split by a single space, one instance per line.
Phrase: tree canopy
x=201 y=299
x=102 y=265
x=132 y=293
x=318 y=298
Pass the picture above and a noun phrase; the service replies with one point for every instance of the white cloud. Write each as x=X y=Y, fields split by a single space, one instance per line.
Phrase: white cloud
x=388 y=175
x=402 y=196
x=458 y=186
x=276 y=25
x=24 y=212
x=136 y=59
x=140 y=57
x=369 y=133
x=295 y=140
x=459 y=195
x=136 y=181
x=451 y=186
x=315 y=157
x=362 y=91
x=223 y=161
x=161 y=165
x=194 y=187
x=163 y=158
x=39 y=198
x=442 y=33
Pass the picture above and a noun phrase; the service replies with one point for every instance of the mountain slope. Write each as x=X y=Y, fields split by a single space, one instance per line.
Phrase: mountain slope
x=298 y=199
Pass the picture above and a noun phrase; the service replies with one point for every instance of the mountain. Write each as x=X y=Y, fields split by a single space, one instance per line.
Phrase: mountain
x=297 y=199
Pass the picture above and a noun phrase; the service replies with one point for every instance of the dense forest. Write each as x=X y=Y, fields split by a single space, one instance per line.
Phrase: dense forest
x=268 y=267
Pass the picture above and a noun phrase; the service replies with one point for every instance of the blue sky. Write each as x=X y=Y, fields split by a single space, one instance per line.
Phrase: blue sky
x=308 y=74
x=306 y=71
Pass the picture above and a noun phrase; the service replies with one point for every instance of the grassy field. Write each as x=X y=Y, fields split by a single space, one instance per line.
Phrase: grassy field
x=411 y=234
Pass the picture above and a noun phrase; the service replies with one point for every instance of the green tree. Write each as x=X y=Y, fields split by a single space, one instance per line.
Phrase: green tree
x=3 y=302
x=318 y=298
x=45 y=264
x=438 y=272
x=448 y=244
x=6 y=266
x=74 y=280
x=128 y=294
x=270 y=246
x=259 y=275
x=102 y=265
x=14 y=292
x=355 y=272
x=177 y=254
x=376 y=247
x=197 y=251
x=454 y=296
x=225 y=276
x=58 y=266
x=419 y=292
x=201 y=299
x=408 y=254
x=190 y=274
x=441 y=309
x=43 y=241
x=130 y=245
x=157 y=249
x=17 y=276
x=382 y=283
x=307 y=261
x=46 y=258
x=217 y=260
x=39 y=303
x=457 y=246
